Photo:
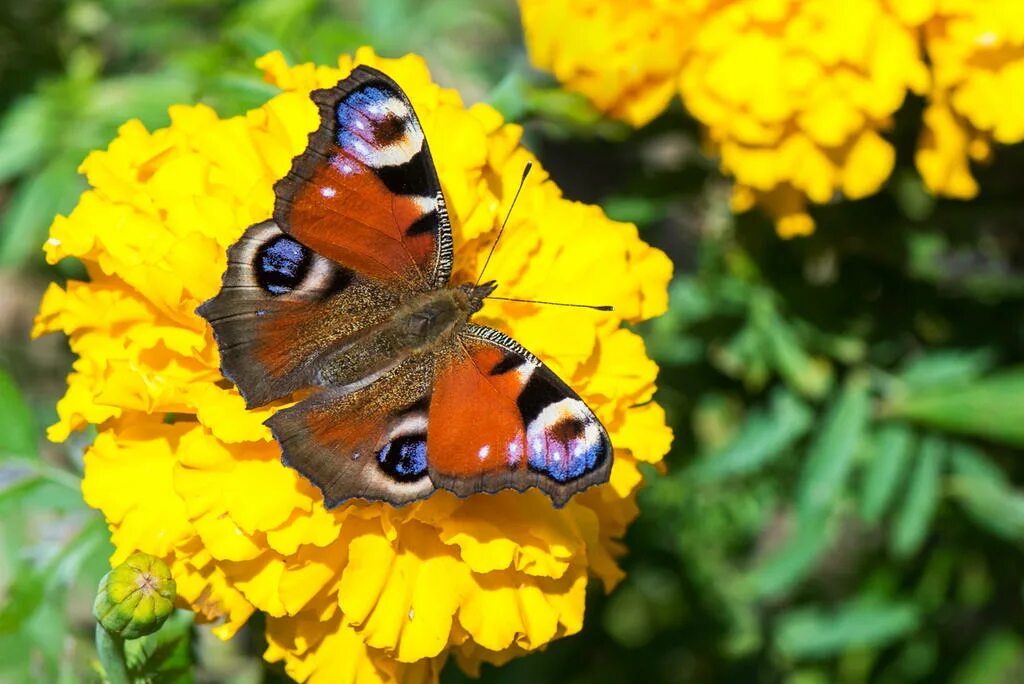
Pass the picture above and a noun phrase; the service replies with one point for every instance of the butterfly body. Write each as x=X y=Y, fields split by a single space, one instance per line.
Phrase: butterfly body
x=346 y=291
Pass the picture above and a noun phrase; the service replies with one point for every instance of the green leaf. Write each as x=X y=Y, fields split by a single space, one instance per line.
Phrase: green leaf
x=31 y=210
x=831 y=454
x=947 y=367
x=999 y=659
x=13 y=491
x=23 y=597
x=164 y=657
x=765 y=435
x=792 y=562
x=744 y=357
x=969 y=461
x=990 y=408
x=922 y=498
x=818 y=633
x=17 y=427
x=24 y=133
x=891 y=453
x=778 y=340
x=912 y=196
x=986 y=494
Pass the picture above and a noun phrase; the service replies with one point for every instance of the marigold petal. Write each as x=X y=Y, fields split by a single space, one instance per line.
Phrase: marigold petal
x=128 y=477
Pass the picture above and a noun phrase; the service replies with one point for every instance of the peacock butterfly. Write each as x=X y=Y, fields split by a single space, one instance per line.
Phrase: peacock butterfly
x=346 y=291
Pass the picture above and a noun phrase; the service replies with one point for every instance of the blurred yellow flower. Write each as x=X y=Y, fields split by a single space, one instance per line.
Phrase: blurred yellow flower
x=795 y=95
x=364 y=592
x=976 y=51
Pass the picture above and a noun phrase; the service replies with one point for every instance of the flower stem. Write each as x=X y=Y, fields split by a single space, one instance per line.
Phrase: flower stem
x=111 y=651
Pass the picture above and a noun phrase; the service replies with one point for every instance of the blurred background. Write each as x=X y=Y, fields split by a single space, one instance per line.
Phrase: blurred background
x=843 y=501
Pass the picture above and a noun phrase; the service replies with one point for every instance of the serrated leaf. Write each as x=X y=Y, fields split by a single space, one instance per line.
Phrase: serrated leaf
x=820 y=633
x=17 y=428
x=765 y=435
x=990 y=408
x=922 y=498
x=892 y=448
x=831 y=454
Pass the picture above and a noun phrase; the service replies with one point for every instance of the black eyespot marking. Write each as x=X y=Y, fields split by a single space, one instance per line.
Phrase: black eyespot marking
x=405 y=458
x=390 y=129
x=537 y=395
x=281 y=264
x=507 y=363
x=411 y=178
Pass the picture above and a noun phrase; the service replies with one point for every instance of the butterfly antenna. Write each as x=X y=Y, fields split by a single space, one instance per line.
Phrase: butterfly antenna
x=595 y=307
x=526 y=172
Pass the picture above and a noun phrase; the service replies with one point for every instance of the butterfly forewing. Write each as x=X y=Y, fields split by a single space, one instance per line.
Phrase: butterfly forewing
x=365 y=192
x=282 y=307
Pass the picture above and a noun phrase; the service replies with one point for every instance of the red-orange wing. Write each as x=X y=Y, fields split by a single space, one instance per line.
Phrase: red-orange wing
x=365 y=193
x=499 y=418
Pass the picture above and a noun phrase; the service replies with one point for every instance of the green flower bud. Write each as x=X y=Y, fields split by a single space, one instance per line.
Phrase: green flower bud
x=135 y=598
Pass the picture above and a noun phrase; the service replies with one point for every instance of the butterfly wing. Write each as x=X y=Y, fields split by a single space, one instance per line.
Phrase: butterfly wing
x=479 y=416
x=367 y=444
x=282 y=308
x=499 y=418
x=365 y=193
x=364 y=220
x=359 y=223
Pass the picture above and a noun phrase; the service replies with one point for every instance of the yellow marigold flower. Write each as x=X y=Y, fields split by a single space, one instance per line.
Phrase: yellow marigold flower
x=364 y=592
x=976 y=51
x=627 y=61
x=795 y=95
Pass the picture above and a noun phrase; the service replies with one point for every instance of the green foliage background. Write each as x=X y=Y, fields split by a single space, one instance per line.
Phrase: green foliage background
x=843 y=501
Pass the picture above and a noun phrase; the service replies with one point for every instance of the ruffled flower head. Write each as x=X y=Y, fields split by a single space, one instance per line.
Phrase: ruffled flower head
x=795 y=95
x=180 y=469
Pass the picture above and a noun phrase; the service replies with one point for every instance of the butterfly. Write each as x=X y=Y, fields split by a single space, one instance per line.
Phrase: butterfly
x=346 y=292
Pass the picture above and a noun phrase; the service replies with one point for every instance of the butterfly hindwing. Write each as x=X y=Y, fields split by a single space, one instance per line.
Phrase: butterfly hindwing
x=368 y=444
x=365 y=193
x=499 y=418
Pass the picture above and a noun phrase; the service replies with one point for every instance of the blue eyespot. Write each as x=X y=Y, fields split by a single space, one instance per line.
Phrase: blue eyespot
x=281 y=265
x=405 y=458
x=563 y=452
